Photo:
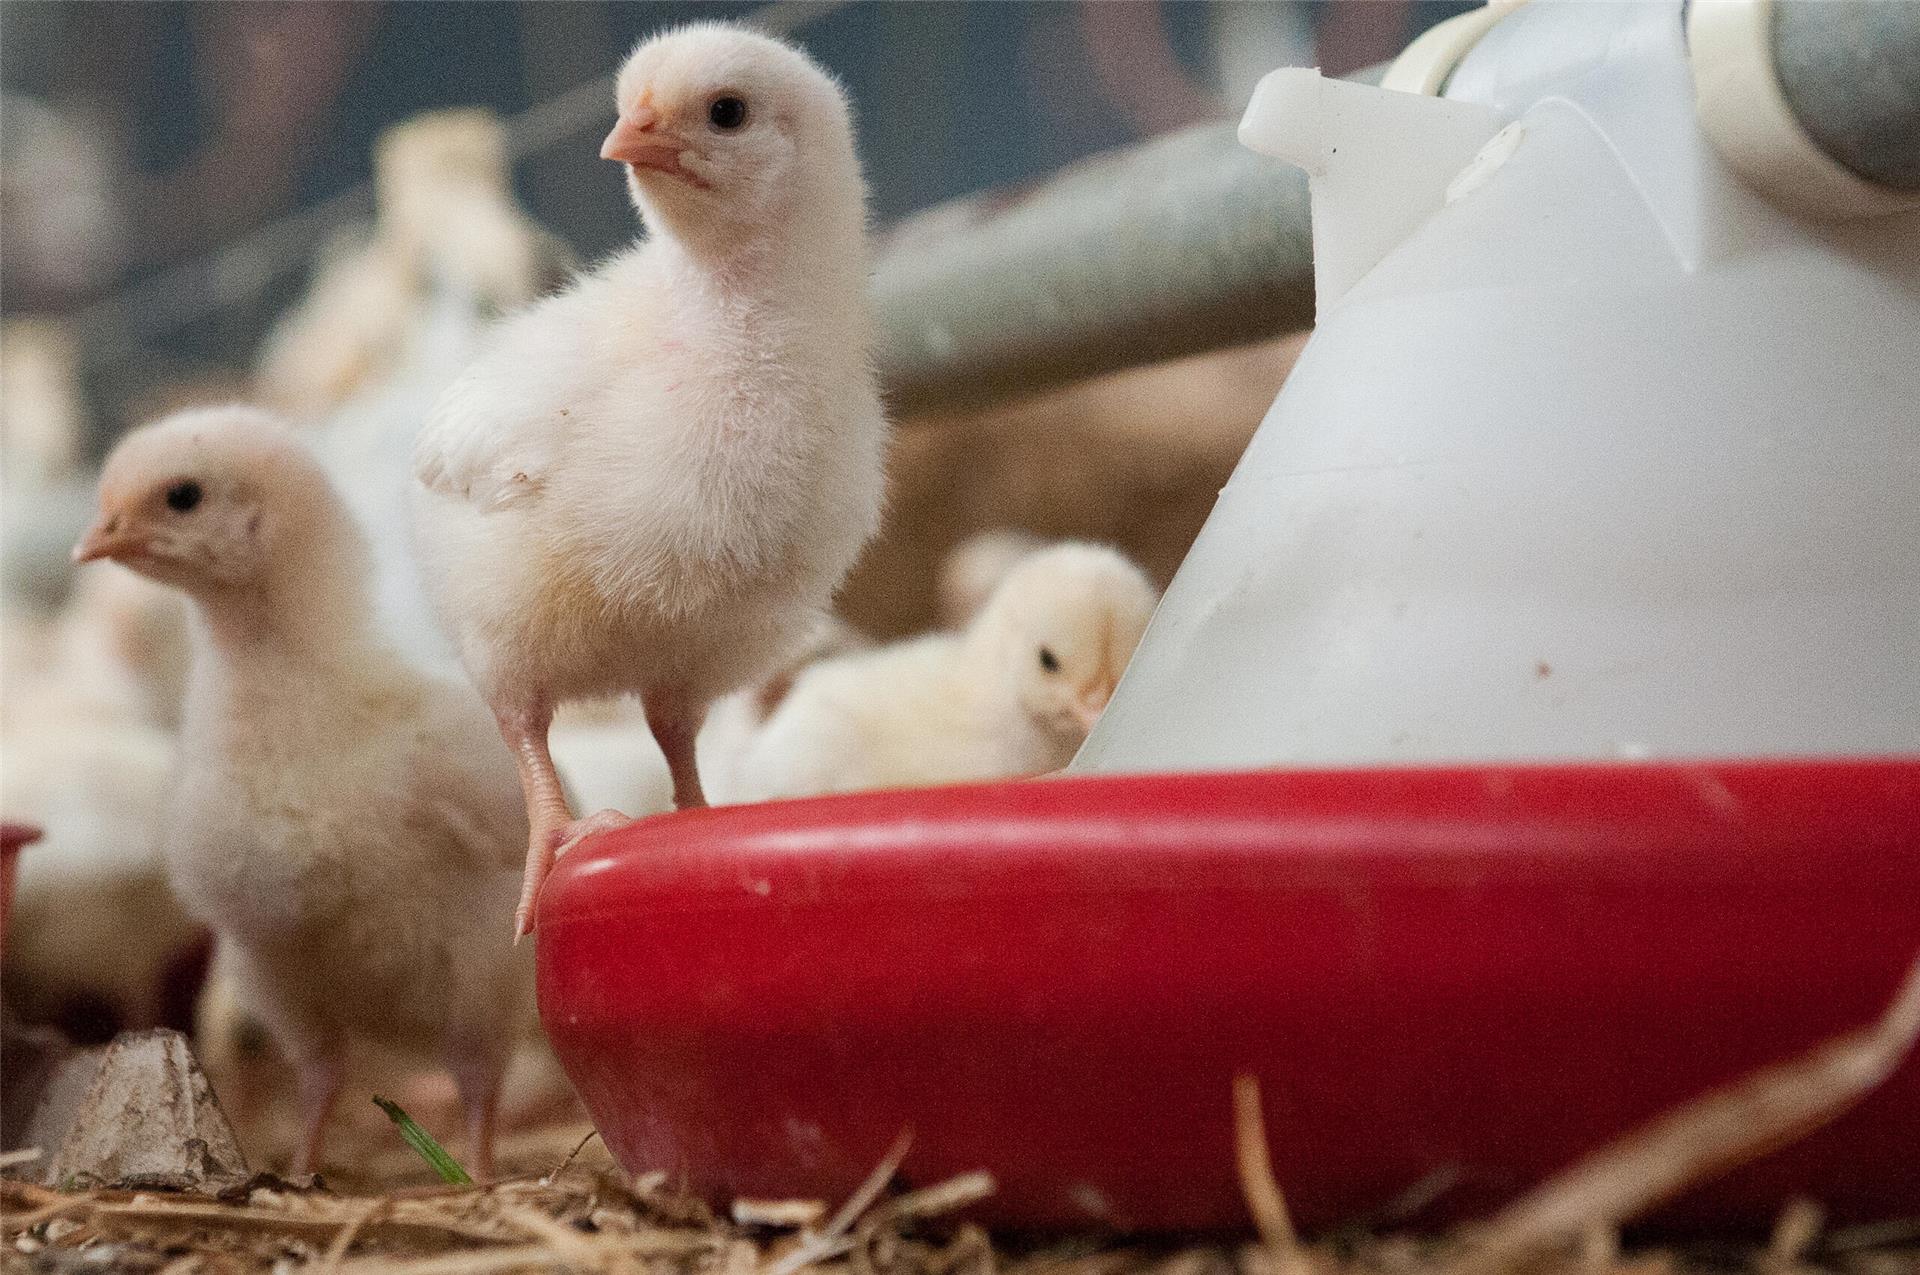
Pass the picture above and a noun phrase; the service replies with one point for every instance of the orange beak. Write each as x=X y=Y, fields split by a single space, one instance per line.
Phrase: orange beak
x=638 y=141
x=108 y=539
x=1089 y=707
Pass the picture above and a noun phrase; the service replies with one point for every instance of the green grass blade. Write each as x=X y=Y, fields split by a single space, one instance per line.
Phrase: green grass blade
x=421 y=1141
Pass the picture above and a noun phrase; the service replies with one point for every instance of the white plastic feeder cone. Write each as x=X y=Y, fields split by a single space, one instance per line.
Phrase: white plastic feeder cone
x=1595 y=453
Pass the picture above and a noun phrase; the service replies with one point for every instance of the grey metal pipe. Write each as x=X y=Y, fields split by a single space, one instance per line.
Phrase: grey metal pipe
x=1189 y=243
x=1183 y=244
x=1850 y=70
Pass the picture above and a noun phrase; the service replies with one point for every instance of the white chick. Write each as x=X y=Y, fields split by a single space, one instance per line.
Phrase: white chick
x=89 y=758
x=653 y=482
x=736 y=719
x=366 y=446
x=1013 y=695
x=43 y=444
x=443 y=183
x=346 y=824
x=344 y=332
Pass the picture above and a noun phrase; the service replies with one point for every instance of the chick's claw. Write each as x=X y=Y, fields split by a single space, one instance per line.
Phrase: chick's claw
x=539 y=863
x=546 y=849
x=569 y=835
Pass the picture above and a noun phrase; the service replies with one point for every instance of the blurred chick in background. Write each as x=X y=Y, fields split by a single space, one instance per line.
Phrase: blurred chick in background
x=43 y=463
x=444 y=184
x=390 y=323
x=445 y=221
x=654 y=481
x=1013 y=695
x=88 y=703
x=42 y=418
x=345 y=823
x=96 y=932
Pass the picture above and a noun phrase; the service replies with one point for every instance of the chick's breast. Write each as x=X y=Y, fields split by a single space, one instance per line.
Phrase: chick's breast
x=383 y=867
x=665 y=498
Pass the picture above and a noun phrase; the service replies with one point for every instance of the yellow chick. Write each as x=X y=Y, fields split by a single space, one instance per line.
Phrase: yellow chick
x=345 y=823
x=1014 y=694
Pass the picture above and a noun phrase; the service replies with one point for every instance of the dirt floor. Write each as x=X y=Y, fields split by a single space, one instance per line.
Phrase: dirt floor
x=583 y=1218
x=564 y=1206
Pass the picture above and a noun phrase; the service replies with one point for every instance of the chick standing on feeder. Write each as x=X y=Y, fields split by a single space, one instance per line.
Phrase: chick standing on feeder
x=1015 y=694
x=345 y=824
x=653 y=482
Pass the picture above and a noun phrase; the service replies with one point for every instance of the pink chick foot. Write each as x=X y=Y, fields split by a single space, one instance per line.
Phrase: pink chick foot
x=558 y=842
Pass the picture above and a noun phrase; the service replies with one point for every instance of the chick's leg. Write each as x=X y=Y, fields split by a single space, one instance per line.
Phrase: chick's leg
x=525 y=730
x=675 y=728
x=477 y=1067
x=319 y=1080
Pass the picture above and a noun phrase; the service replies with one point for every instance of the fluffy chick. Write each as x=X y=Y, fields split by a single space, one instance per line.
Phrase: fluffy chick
x=1014 y=694
x=653 y=482
x=345 y=824
x=443 y=183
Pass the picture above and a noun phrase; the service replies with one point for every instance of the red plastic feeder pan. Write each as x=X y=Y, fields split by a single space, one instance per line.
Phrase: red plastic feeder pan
x=14 y=837
x=1464 y=976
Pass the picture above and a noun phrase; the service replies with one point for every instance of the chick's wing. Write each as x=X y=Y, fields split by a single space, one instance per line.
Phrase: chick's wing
x=475 y=448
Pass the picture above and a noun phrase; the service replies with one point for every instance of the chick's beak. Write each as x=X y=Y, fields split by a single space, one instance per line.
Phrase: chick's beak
x=108 y=538
x=638 y=141
x=1093 y=702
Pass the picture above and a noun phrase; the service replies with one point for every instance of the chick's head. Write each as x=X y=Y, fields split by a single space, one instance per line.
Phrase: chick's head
x=461 y=148
x=207 y=499
x=1060 y=629
x=721 y=125
x=425 y=165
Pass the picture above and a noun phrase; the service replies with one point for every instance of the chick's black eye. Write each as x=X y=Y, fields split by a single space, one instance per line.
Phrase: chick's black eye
x=183 y=496
x=727 y=112
x=1049 y=661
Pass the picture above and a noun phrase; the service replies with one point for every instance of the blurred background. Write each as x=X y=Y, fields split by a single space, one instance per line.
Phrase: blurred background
x=142 y=137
